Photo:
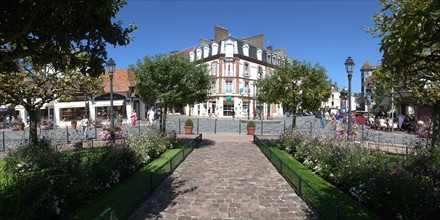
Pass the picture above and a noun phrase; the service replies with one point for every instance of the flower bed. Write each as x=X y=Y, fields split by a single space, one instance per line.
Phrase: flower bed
x=402 y=187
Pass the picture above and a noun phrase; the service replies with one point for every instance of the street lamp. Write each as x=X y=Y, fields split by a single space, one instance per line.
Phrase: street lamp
x=249 y=100
x=343 y=103
x=349 y=66
x=111 y=69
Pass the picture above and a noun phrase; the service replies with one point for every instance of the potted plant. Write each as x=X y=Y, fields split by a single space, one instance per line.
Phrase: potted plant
x=189 y=126
x=20 y=125
x=250 y=127
x=73 y=124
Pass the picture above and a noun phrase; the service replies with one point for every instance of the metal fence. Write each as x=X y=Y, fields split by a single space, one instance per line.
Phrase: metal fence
x=275 y=126
x=321 y=205
x=120 y=209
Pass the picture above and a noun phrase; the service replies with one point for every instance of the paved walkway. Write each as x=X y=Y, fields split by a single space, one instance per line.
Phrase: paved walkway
x=226 y=178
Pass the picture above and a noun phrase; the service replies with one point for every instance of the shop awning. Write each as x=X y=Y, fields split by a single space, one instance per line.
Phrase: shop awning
x=107 y=103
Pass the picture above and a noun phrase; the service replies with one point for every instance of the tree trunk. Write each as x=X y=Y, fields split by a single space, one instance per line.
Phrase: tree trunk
x=435 y=136
x=293 y=121
x=33 y=120
x=165 y=117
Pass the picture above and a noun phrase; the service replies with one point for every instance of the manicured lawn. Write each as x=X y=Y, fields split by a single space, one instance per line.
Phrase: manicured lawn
x=131 y=191
x=323 y=189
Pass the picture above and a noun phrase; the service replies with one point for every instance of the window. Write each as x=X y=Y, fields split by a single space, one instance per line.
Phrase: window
x=229 y=50
x=228 y=87
x=103 y=113
x=214 y=88
x=333 y=96
x=205 y=51
x=199 y=53
x=259 y=52
x=227 y=109
x=214 y=49
x=191 y=56
x=72 y=113
x=260 y=72
x=214 y=69
x=228 y=71
x=246 y=50
x=246 y=69
x=333 y=103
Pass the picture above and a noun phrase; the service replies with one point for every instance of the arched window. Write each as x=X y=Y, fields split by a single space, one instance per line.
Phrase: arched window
x=214 y=49
x=246 y=50
x=205 y=51
x=259 y=54
x=199 y=53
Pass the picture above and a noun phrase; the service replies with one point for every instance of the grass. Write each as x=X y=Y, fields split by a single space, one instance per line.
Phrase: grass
x=2 y=173
x=322 y=189
x=131 y=191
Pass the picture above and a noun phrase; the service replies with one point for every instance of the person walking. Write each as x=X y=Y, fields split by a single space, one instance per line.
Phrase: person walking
x=133 y=118
x=150 y=116
x=85 y=125
x=233 y=113
x=209 y=113
x=401 y=118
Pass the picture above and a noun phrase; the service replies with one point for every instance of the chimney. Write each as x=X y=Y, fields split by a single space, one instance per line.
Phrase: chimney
x=220 y=32
x=269 y=48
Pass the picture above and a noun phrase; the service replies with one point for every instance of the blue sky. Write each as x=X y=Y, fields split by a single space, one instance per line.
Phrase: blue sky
x=324 y=32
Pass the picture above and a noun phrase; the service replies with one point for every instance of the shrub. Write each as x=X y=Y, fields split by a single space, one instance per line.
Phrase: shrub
x=43 y=181
x=403 y=187
x=151 y=145
x=189 y=122
x=250 y=124
x=20 y=124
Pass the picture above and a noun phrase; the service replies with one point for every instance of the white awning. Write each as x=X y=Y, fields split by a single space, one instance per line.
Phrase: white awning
x=107 y=103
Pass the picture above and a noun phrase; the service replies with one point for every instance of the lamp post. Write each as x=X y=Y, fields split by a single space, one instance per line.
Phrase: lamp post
x=349 y=66
x=111 y=69
x=343 y=103
x=249 y=100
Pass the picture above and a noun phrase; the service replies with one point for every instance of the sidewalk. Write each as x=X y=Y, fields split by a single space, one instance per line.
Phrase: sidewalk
x=227 y=177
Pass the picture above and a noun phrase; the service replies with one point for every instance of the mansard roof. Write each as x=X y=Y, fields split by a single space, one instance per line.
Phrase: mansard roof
x=279 y=53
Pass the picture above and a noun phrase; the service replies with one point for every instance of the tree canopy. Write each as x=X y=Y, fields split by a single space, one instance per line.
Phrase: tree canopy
x=171 y=80
x=297 y=85
x=55 y=32
x=410 y=33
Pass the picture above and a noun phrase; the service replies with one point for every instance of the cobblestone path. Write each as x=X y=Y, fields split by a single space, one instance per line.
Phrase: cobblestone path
x=225 y=180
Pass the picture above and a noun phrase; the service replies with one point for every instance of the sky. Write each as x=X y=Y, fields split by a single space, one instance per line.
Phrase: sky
x=318 y=31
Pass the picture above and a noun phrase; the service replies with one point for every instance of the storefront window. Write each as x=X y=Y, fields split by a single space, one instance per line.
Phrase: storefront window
x=68 y=114
x=227 y=109
x=104 y=112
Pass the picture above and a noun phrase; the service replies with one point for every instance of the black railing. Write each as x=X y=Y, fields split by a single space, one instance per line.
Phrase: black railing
x=321 y=205
x=120 y=209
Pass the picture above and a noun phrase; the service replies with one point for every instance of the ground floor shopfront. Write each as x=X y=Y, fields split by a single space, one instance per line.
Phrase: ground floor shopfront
x=241 y=106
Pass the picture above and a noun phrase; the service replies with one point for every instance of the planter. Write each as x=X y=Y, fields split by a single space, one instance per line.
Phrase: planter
x=188 y=129
x=251 y=130
x=73 y=126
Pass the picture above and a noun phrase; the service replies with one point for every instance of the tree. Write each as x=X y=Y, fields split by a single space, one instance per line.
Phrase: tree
x=409 y=32
x=56 y=32
x=296 y=85
x=34 y=86
x=171 y=80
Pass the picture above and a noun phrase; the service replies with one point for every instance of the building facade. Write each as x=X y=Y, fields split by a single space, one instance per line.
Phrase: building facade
x=236 y=66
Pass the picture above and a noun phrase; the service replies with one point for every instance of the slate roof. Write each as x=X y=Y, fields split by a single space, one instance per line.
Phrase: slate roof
x=367 y=66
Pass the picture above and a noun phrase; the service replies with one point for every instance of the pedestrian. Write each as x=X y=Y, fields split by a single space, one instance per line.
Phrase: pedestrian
x=150 y=116
x=209 y=113
x=133 y=118
x=7 y=121
x=401 y=118
x=233 y=113
x=85 y=125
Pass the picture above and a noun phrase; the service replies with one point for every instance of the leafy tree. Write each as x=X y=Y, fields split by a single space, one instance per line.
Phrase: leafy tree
x=297 y=85
x=33 y=87
x=171 y=80
x=55 y=32
x=409 y=32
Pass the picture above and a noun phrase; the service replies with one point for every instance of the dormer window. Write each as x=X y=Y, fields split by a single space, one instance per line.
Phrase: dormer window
x=229 y=49
x=268 y=56
x=274 y=59
x=214 y=49
x=246 y=50
x=259 y=54
x=205 y=51
x=199 y=53
x=191 y=56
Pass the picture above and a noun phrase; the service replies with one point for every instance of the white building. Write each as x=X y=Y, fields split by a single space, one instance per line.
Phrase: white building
x=334 y=102
x=236 y=66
